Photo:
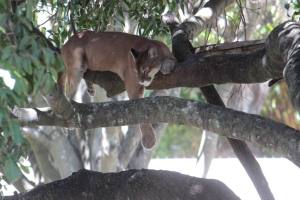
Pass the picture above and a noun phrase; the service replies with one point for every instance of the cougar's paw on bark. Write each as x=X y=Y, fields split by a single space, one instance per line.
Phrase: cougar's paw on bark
x=167 y=66
x=148 y=137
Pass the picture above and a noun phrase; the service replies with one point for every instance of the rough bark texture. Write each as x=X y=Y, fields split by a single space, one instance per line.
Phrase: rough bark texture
x=132 y=184
x=223 y=121
x=285 y=44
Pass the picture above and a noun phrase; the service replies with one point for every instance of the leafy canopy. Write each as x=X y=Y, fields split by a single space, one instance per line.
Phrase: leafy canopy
x=34 y=66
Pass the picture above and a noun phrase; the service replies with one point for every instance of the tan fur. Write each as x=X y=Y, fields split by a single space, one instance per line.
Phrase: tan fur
x=135 y=59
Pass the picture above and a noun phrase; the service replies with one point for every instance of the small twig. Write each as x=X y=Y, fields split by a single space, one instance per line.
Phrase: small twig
x=239 y=3
x=226 y=23
x=49 y=43
x=199 y=4
x=32 y=183
x=71 y=16
x=50 y=18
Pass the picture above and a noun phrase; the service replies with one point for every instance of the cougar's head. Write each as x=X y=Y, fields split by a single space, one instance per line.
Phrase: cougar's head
x=150 y=62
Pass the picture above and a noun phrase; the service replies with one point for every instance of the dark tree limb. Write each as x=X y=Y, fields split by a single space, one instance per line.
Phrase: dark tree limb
x=180 y=39
x=284 y=41
x=132 y=184
x=226 y=122
x=242 y=151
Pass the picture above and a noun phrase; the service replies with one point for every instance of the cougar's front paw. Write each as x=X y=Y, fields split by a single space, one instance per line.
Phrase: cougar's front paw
x=167 y=66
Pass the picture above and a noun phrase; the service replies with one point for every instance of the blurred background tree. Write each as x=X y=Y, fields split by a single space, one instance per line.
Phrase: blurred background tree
x=32 y=66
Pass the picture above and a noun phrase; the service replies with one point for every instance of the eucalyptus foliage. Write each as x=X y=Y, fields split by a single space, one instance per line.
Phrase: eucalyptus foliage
x=32 y=65
x=29 y=33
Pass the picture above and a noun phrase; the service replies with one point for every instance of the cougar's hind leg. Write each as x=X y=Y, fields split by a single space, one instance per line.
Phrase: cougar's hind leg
x=74 y=70
x=135 y=91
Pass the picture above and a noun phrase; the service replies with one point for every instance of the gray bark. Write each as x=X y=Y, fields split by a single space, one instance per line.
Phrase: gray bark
x=226 y=122
x=284 y=42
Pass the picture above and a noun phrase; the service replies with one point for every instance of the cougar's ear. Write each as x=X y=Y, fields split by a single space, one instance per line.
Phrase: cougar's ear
x=135 y=53
x=152 y=52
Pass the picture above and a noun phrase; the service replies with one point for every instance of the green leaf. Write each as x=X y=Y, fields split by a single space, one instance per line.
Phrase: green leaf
x=16 y=133
x=48 y=82
x=29 y=9
x=11 y=170
x=18 y=88
x=24 y=42
x=6 y=53
x=3 y=18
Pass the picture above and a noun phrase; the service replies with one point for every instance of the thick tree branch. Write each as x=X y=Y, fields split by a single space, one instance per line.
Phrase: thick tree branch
x=133 y=184
x=226 y=122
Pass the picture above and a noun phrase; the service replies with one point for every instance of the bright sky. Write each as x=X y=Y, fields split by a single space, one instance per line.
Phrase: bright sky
x=282 y=175
x=8 y=80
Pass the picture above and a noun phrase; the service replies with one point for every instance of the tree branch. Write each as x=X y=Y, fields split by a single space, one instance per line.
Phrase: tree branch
x=133 y=184
x=226 y=122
